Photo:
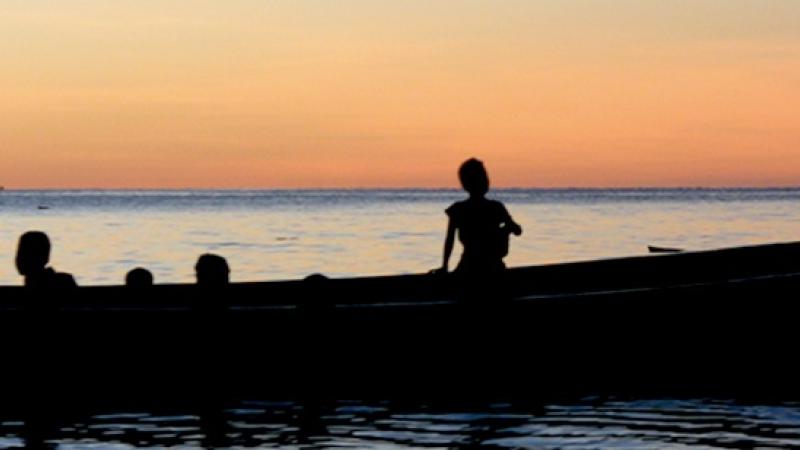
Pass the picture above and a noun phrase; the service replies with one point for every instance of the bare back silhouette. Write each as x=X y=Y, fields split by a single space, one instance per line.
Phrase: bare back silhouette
x=483 y=225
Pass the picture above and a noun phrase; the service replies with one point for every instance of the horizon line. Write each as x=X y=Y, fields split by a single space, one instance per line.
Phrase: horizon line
x=404 y=188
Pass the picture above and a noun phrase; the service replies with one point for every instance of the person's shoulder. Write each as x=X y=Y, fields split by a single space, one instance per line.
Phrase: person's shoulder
x=497 y=206
x=50 y=279
x=456 y=208
x=64 y=280
x=495 y=203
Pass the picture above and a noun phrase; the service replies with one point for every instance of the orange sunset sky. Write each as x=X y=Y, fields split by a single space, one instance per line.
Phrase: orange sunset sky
x=367 y=93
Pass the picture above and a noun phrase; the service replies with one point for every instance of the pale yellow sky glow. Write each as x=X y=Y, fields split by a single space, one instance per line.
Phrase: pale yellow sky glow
x=375 y=93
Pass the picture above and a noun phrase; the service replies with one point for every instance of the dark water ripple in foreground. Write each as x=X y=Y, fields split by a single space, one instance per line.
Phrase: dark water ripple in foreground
x=351 y=424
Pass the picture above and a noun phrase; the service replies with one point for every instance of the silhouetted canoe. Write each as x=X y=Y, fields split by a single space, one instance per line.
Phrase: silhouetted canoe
x=697 y=322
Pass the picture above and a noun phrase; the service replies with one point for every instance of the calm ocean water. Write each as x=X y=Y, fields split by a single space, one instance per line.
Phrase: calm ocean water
x=267 y=235
x=99 y=235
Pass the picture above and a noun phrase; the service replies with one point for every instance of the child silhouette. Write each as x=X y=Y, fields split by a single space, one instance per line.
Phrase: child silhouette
x=483 y=225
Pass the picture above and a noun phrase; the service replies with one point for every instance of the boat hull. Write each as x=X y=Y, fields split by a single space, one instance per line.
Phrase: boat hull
x=706 y=323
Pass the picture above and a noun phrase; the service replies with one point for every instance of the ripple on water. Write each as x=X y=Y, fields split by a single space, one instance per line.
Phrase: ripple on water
x=607 y=424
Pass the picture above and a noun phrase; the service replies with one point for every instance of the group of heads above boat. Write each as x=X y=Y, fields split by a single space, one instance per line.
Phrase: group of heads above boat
x=483 y=227
x=33 y=256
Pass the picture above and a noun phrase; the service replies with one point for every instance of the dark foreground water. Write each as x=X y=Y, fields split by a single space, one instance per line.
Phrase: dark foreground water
x=590 y=423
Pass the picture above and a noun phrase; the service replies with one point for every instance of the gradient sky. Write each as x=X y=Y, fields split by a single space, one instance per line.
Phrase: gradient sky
x=363 y=93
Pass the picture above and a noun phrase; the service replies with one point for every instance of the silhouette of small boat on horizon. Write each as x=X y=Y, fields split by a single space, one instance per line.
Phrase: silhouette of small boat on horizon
x=695 y=323
x=656 y=249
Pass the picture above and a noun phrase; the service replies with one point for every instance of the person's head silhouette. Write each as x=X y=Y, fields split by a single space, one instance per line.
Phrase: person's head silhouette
x=139 y=277
x=474 y=178
x=212 y=270
x=33 y=253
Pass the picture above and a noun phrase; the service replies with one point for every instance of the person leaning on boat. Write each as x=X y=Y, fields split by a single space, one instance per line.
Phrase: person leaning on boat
x=483 y=225
x=33 y=254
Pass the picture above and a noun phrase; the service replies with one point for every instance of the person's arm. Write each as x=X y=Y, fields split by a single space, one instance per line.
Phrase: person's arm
x=509 y=224
x=448 y=244
x=513 y=227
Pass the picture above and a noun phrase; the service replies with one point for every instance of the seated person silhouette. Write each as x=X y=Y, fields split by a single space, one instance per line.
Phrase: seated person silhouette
x=483 y=225
x=33 y=254
x=138 y=278
x=212 y=277
x=212 y=270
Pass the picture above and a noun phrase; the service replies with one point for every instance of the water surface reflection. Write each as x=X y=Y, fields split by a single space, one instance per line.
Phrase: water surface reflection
x=265 y=235
x=592 y=423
